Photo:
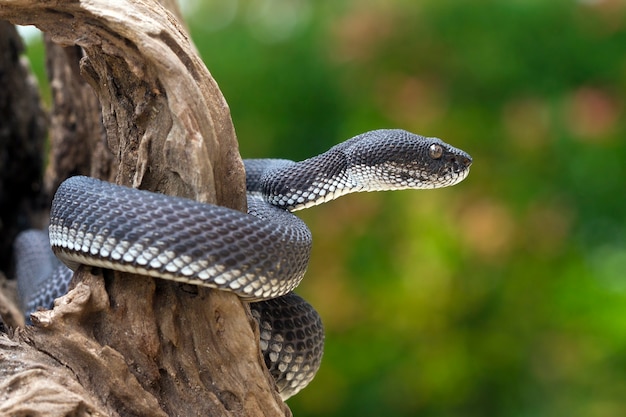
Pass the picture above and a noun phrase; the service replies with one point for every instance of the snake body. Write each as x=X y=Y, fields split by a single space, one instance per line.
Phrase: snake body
x=261 y=255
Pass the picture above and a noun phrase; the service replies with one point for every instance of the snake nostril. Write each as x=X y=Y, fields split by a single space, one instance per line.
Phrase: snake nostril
x=459 y=163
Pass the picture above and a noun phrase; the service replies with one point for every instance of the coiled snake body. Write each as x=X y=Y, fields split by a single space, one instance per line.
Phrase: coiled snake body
x=261 y=255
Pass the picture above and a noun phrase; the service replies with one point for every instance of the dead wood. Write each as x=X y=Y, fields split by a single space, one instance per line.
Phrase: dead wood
x=132 y=345
x=77 y=137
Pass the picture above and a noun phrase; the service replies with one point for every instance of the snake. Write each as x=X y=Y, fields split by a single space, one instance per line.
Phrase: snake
x=261 y=255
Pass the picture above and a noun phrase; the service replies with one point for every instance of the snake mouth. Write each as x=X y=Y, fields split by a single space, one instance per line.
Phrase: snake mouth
x=459 y=166
x=461 y=175
x=454 y=176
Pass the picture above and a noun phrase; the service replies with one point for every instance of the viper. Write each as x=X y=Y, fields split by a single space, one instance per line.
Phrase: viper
x=261 y=255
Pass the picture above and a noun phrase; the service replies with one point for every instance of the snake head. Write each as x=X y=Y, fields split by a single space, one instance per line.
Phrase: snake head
x=397 y=159
x=374 y=161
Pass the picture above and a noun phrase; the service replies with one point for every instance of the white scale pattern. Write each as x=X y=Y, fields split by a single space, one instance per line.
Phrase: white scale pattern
x=76 y=247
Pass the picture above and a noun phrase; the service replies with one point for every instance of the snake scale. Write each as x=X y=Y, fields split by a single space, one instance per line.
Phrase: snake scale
x=261 y=256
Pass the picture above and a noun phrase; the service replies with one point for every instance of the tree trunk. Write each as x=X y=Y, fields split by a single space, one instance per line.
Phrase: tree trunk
x=121 y=344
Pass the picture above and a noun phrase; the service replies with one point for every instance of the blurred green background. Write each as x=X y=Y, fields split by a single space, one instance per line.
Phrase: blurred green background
x=502 y=296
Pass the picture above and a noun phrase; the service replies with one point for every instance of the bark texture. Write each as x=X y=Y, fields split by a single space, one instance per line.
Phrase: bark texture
x=77 y=137
x=120 y=344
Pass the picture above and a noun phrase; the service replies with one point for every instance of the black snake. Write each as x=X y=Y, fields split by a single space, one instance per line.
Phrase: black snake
x=261 y=256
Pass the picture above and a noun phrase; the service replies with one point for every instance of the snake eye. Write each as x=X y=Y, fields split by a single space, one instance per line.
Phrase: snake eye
x=435 y=151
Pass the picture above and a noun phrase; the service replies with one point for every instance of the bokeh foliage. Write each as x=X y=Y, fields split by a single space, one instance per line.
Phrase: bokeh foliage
x=504 y=295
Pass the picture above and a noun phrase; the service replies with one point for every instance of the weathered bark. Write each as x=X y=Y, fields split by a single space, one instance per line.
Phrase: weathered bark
x=62 y=395
x=10 y=313
x=136 y=345
x=77 y=137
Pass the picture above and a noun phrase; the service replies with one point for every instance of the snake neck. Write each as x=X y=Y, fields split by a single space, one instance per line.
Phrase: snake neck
x=299 y=185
